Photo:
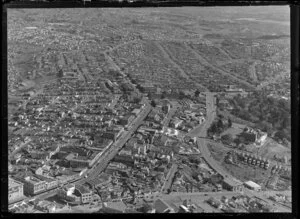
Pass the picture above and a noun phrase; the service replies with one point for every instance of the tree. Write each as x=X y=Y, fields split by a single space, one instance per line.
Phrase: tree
x=237 y=141
x=153 y=103
x=213 y=128
x=227 y=139
x=265 y=126
x=280 y=135
x=197 y=93
x=220 y=124
x=229 y=123
x=60 y=73
x=163 y=95
x=181 y=95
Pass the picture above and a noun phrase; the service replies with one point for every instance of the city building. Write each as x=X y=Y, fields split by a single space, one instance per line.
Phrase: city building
x=175 y=123
x=112 y=135
x=50 y=183
x=67 y=193
x=254 y=136
x=232 y=185
x=166 y=108
x=85 y=194
x=76 y=194
x=15 y=190
x=136 y=111
x=33 y=185
x=125 y=120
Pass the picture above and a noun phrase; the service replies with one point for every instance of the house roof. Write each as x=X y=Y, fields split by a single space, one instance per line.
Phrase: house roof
x=69 y=186
x=13 y=183
x=161 y=206
x=120 y=206
x=232 y=182
x=82 y=189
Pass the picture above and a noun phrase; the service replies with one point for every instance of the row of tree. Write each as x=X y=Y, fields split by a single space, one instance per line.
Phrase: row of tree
x=269 y=114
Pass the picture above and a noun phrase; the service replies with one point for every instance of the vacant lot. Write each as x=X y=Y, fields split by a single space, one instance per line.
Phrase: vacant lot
x=235 y=130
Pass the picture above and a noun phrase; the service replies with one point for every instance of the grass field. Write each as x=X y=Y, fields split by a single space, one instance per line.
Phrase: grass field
x=245 y=172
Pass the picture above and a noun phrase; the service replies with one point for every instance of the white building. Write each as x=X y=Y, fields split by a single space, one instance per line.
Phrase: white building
x=252 y=185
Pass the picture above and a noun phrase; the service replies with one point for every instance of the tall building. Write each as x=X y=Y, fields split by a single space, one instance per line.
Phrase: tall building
x=33 y=185
x=15 y=190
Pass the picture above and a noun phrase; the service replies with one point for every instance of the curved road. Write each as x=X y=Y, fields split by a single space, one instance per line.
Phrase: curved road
x=202 y=145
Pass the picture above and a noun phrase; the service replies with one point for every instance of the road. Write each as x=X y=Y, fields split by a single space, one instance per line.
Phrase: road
x=195 y=131
x=202 y=142
x=169 y=178
x=216 y=68
x=112 y=63
x=111 y=152
x=202 y=145
x=181 y=71
x=279 y=207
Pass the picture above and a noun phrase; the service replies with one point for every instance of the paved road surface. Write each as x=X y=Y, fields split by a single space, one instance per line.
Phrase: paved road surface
x=201 y=141
x=111 y=152
x=216 y=68
x=181 y=71
x=169 y=178
x=202 y=145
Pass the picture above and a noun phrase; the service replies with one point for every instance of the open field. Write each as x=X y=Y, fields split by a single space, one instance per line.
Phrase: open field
x=245 y=173
x=272 y=148
x=235 y=130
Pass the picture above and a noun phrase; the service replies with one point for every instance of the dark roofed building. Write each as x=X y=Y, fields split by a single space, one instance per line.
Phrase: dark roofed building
x=161 y=206
x=110 y=135
x=125 y=159
x=232 y=185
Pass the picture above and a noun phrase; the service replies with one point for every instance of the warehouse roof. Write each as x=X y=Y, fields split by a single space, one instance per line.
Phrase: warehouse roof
x=252 y=184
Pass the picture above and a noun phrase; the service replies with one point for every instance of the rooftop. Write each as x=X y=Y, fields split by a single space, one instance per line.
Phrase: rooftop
x=116 y=205
x=13 y=183
x=252 y=184
x=33 y=179
x=161 y=206
x=82 y=189
x=232 y=182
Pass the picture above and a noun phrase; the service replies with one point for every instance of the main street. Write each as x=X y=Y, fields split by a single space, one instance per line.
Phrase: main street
x=112 y=151
x=169 y=178
x=201 y=141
